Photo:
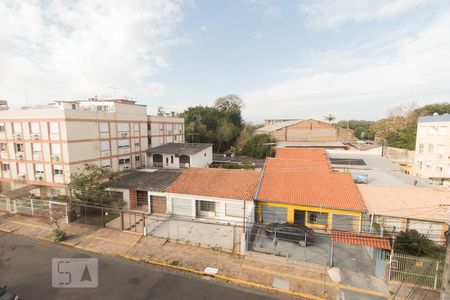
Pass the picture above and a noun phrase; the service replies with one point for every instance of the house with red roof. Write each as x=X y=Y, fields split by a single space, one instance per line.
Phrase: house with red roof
x=298 y=186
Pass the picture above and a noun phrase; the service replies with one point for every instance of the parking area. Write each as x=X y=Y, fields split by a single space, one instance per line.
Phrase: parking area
x=219 y=236
x=320 y=251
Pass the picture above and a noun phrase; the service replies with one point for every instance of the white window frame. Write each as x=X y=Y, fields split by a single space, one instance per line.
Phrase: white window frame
x=56 y=149
x=104 y=146
x=53 y=127
x=123 y=143
x=103 y=127
x=123 y=127
x=35 y=127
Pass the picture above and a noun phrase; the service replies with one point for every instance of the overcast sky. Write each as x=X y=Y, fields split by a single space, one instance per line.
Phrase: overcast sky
x=286 y=59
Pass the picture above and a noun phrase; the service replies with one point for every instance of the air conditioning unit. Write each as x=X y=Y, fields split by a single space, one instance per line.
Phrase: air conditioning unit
x=22 y=177
x=55 y=158
x=126 y=167
x=20 y=156
x=18 y=136
x=35 y=136
x=39 y=177
x=124 y=133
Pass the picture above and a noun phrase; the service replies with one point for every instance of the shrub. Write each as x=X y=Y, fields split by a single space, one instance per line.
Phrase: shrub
x=58 y=235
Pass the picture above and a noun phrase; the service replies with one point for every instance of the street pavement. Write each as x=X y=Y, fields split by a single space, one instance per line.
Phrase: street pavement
x=25 y=267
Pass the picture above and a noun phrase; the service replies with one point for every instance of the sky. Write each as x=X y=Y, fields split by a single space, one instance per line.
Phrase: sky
x=285 y=59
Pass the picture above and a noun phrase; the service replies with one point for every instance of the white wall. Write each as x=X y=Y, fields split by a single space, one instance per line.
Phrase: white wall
x=202 y=159
x=226 y=210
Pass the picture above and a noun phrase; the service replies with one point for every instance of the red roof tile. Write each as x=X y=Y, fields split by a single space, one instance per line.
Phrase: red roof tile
x=295 y=165
x=221 y=183
x=311 y=188
x=360 y=239
x=307 y=154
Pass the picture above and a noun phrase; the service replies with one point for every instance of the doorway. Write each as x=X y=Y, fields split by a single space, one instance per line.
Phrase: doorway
x=299 y=217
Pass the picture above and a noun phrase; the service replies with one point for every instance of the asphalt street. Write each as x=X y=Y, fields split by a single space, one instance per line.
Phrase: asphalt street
x=26 y=264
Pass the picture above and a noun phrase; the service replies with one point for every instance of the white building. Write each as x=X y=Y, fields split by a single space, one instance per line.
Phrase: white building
x=218 y=195
x=181 y=155
x=432 y=157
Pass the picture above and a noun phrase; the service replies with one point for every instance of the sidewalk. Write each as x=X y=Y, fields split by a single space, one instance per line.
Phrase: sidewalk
x=257 y=270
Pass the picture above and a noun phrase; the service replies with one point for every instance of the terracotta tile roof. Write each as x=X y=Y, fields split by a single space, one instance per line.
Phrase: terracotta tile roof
x=406 y=202
x=221 y=183
x=360 y=239
x=308 y=154
x=295 y=165
x=315 y=188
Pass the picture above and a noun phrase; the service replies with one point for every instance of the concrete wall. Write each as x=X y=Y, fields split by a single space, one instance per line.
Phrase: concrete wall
x=202 y=159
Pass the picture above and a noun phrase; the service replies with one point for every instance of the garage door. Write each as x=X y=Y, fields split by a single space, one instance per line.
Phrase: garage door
x=272 y=214
x=182 y=206
x=158 y=204
x=345 y=222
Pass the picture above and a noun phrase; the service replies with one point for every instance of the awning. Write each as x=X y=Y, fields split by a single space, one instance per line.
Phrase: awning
x=360 y=239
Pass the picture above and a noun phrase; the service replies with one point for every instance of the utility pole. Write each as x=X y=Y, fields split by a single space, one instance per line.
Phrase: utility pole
x=445 y=291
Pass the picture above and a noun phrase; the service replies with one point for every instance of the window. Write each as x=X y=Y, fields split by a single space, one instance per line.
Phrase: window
x=136 y=143
x=19 y=147
x=34 y=127
x=421 y=146
x=22 y=168
x=54 y=127
x=37 y=147
x=430 y=148
x=442 y=130
x=17 y=127
x=106 y=163
x=318 y=218
x=56 y=149
x=137 y=158
x=439 y=168
x=125 y=143
x=169 y=139
x=5 y=167
x=440 y=149
x=124 y=160
x=419 y=163
x=39 y=168
x=171 y=159
x=136 y=127
x=104 y=146
x=123 y=127
x=207 y=206
x=58 y=170
x=2 y=127
x=2 y=146
x=103 y=127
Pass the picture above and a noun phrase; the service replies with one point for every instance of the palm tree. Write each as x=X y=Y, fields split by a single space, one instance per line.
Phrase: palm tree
x=329 y=118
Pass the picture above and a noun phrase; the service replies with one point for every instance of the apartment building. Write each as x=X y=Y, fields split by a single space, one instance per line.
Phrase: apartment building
x=433 y=149
x=165 y=129
x=43 y=145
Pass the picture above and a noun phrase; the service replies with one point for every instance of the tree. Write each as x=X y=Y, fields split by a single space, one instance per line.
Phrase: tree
x=414 y=243
x=229 y=102
x=259 y=146
x=86 y=185
x=362 y=129
x=213 y=125
x=330 y=118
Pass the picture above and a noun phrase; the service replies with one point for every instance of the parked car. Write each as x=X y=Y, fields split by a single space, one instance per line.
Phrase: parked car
x=5 y=295
x=291 y=232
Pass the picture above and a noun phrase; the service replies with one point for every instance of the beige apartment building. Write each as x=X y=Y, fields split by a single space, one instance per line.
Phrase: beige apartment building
x=165 y=129
x=433 y=149
x=43 y=145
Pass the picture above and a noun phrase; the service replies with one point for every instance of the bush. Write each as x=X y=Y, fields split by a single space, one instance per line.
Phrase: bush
x=414 y=243
x=58 y=235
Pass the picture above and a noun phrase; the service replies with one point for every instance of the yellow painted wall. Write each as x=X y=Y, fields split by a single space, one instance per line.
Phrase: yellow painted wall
x=292 y=207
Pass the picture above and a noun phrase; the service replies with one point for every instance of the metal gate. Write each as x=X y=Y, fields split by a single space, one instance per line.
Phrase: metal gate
x=273 y=214
x=416 y=270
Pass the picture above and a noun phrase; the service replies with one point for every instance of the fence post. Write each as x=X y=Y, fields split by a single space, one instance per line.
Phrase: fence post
x=103 y=217
x=143 y=224
x=331 y=252
x=121 y=218
x=31 y=203
x=15 y=205
x=436 y=275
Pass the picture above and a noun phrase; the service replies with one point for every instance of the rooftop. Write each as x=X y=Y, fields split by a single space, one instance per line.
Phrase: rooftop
x=435 y=118
x=333 y=144
x=180 y=148
x=146 y=180
x=220 y=183
x=277 y=126
x=360 y=239
x=406 y=202
x=314 y=188
x=307 y=154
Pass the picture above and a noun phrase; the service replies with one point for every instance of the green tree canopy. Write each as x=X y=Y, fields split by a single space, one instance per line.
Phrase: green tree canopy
x=259 y=146
x=414 y=243
x=220 y=125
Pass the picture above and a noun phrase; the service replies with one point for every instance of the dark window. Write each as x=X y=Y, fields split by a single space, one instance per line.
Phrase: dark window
x=318 y=218
x=171 y=159
x=207 y=206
